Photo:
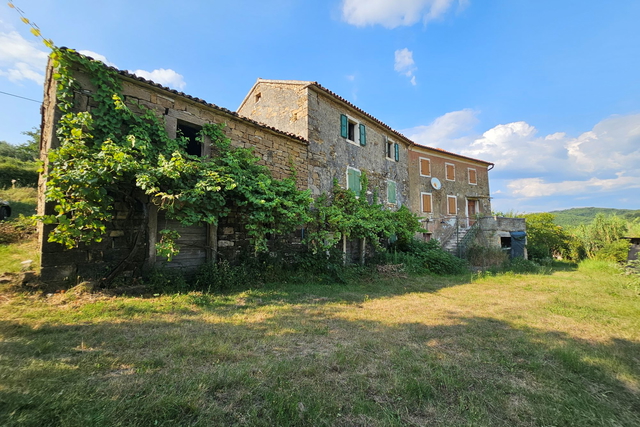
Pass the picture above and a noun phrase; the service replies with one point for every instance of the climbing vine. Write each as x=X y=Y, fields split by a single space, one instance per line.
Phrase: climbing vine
x=123 y=152
x=346 y=215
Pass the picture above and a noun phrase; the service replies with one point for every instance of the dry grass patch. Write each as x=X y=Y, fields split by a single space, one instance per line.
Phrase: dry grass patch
x=498 y=351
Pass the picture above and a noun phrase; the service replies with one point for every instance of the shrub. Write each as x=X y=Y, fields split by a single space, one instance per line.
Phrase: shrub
x=523 y=266
x=166 y=280
x=615 y=251
x=223 y=277
x=25 y=173
x=432 y=257
x=483 y=256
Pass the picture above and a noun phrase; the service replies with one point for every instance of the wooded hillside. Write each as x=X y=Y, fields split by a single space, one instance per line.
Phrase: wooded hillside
x=577 y=216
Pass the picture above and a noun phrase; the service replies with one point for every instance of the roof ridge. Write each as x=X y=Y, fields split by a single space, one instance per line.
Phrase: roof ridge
x=133 y=76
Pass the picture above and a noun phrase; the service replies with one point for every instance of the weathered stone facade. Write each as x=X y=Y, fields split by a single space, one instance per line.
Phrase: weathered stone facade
x=286 y=123
x=314 y=113
x=131 y=236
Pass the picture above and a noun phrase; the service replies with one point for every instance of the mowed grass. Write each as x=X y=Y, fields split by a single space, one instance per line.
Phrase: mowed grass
x=561 y=349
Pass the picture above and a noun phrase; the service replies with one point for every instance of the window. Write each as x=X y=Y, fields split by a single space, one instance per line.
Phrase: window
x=388 y=148
x=391 y=192
x=452 y=205
x=425 y=167
x=391 y=149
x=427 y=205
x=189 y=131
x=450 y=171
x=353 y=180
x=473 y=177
x=258 y=96
x=352 y=130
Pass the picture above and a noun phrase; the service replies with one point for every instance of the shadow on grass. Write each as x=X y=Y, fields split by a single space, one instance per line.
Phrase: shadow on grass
x=324 y=365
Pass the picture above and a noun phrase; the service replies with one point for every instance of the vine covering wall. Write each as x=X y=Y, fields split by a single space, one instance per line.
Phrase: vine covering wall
x=114 y=160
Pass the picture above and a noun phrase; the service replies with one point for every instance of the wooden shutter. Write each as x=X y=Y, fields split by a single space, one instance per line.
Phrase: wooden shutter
x=363 y=135
x=426 y=203
x=391 y=192
x=473 y=178
x=344 y=126
x=425 y=167
x=450 y=172
x=396 y=151
x=353 y=180
x=452 y=208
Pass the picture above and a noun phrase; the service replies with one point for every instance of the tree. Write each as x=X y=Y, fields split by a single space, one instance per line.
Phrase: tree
x=544 y=237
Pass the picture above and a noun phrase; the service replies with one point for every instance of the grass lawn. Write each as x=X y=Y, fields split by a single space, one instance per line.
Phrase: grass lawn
x=514 y=350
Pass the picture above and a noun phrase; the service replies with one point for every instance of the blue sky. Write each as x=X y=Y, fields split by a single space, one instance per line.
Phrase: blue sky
x=547 y=90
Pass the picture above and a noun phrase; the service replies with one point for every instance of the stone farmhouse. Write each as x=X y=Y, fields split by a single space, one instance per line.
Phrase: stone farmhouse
x=324 y=135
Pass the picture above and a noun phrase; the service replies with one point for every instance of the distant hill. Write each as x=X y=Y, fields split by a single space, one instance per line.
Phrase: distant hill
x=577 y=216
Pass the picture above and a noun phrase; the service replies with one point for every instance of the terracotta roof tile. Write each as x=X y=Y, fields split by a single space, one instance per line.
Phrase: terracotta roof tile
x=384 y=125
x=192 y=98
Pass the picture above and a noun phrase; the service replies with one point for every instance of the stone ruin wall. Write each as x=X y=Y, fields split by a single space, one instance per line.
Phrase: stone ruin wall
x=137 y=225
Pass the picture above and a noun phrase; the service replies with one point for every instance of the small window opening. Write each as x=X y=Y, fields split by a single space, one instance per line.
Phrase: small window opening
x=505 y=242
x=258 y=96
x=389 y=149
x=194 y=147
x=352 y=131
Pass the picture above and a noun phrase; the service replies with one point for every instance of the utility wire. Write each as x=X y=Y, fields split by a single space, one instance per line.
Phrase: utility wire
x=22 y=97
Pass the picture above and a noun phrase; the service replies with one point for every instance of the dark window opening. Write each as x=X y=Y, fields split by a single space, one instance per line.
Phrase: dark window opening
x=352 y=131
x=194 y=147
x=505 y=242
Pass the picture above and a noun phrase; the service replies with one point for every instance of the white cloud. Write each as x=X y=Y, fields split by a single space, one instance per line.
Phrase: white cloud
x=164 y=77
x=392 y=14
x=612 y=144
x=404 y=64
x=446 y=131
x=97 y=56
x=601 y=161
x=538 y=187
x=21 y=59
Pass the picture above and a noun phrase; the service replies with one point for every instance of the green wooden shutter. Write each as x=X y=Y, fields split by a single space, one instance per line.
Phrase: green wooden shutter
x=396 y=150
x=344 y=126
x=353 y=180
x=391 y=192
x=363 y=135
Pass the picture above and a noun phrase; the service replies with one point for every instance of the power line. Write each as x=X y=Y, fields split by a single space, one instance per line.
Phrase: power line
x=22 y=97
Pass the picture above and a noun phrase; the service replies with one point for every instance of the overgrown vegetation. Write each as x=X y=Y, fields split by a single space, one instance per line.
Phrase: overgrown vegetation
x=603 y=238
x=18 y=163
x=506 y=350
x=104 y=151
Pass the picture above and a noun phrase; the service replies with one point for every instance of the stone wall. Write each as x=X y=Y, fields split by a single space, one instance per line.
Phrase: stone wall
x=278 y=103
x=330 y=154
x=131 y=235
x=460 y=187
